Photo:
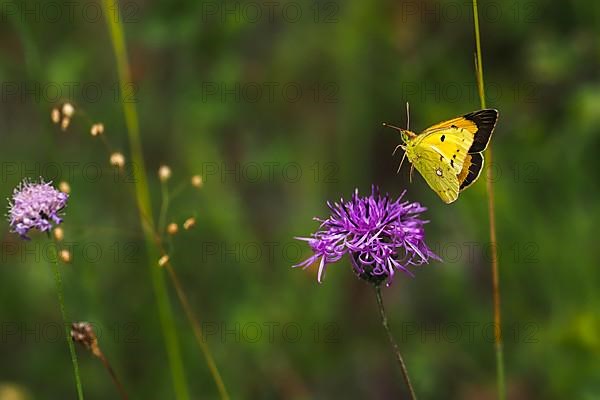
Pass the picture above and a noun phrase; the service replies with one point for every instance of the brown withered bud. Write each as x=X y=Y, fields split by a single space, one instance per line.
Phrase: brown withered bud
x=83 y=333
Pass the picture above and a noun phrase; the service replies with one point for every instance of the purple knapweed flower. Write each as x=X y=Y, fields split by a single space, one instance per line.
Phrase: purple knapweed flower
x=35 y=206
x=380 y=235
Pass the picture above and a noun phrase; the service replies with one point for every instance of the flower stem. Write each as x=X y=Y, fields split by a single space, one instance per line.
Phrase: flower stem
x=61 y=301
x=164 y=207
x=492 y=217
x=167 y=320
x=113 y=375
x=193 y=320
x=183 y=299
x=384 y=322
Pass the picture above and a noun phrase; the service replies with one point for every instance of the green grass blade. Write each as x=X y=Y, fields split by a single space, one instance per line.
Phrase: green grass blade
x=143 y=201
x=500 y=381
x=66 y=322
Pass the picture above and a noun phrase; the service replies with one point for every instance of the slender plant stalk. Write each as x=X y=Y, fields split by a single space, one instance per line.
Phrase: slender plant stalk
x=384 y=322
x=113 y=376
x=184 y=301
x=185 y=304
x=113 y=20
x=164 y=207
x=66 y=323
x=210 y=361
x=492 y=217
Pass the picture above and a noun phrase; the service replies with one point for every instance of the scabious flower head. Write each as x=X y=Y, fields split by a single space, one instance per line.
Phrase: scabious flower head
x=380 y=235
x=35 y=206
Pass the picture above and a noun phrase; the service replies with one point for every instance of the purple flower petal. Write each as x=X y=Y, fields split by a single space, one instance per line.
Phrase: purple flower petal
x=381 y=236
x=35 y=206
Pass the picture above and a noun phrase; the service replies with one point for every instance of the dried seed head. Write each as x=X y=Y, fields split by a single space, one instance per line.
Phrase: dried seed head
x=83 y=333
x=117 y=160
x=64 y=187
x=59 y=234
x=163 y=261
x=189 y=223
x=172 y=228
x=164 y=173
x=65 y=256
x=64 y=124
x=68 y=110
x=97 y=129
x=55 y=115
x=197 y=181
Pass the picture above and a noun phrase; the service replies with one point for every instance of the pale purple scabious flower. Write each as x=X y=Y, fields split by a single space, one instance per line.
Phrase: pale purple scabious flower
x=380 y=235
x=35 y=206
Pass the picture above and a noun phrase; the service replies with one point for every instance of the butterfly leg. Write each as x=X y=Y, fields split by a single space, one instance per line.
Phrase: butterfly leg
x=401 y=162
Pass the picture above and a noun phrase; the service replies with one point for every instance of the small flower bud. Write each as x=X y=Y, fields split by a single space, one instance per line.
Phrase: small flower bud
x=163 y=261
x=64 y=187
x=97 y=129
x=197 y=181
x=59 y=234
x=164 y=173
x=117 y=160
x=64 y=124
x=189 y=223
x=172 y=228
x=55 y=115
x=65 y=256
x=68 y=110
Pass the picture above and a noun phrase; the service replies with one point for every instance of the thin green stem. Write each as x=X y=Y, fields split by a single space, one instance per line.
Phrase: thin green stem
x=178 y=190
x=492 y=217
x=66 y=323
x=113 y=20
x=194 y=322
x=164 y=208
x=386 y=327
x=210 y=361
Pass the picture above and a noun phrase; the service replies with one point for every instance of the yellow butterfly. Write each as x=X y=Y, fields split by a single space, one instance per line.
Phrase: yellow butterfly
x=449 y=154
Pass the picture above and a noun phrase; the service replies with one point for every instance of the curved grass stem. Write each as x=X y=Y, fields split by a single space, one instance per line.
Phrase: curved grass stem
x=113 y=376
x=167 y=320
x=210 y=361
x=193 y=320
x=66 y=323
x=164 y=207
x=386 y=327
x=500 y=380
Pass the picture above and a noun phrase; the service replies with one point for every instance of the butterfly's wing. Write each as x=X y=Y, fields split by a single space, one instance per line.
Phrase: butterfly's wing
x=452 y=145
x=439 y=175
x=480 y=124
x=439 y=156
x=471 y=170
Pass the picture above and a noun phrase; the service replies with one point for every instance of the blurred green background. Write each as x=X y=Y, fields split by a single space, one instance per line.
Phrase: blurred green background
x=279 y=106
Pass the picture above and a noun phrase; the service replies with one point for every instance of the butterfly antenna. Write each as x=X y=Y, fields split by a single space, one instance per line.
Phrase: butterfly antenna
x=392 y=126
x=407 y=117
